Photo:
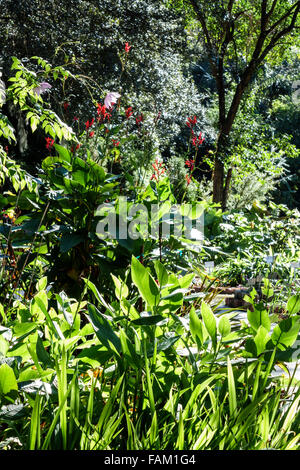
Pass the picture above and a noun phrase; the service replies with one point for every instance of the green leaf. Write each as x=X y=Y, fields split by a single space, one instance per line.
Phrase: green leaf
x=145 y=283
x=121 y=289
x=42 y=354
x=103 y=329
x=209 y=321
x=69 y=240
x=224 y=326
x=293 y=304
x=185 y=281
x=63 y=153
x=285 y=333
x=261 y=339
x=98 y=295
x=24 y=329
x=231 y=389
x=128 y=350
x=259 y=317
x=161 y=272
x=148 y=320
x=8 y=380
x=196 y=326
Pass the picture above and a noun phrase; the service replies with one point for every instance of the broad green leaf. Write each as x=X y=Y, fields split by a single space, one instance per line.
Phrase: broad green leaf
x=148 y=320
x=24 y=329
x=121 y=289
x=69 y=240
x=103 y=328
x=39 y=305
x=42 y=283
x=259 y=317
x=63 y=153
x=293 y=304
x=8 y=380
x=185 y=281
x=42 y=354
x=261 y=339
x=224 y=326
x=98 y=296
x=196 y=326
x=161 y=272
x=145 y=283
x=285 y=333
x=128 y=350
x=129 y=310
x=4 y=346
x=209 y=321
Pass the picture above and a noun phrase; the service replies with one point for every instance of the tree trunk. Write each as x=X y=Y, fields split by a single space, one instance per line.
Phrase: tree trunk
x=218 y=180
x=220 y=193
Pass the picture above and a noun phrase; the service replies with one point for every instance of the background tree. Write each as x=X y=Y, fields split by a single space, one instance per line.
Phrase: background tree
x=89 y=37
x=238 y=38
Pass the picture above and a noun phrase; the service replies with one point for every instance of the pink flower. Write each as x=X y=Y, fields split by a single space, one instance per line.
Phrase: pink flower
x=111 y=98
x=41 y=88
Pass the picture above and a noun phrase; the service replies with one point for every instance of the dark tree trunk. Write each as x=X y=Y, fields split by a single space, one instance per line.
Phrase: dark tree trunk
x=220 y=186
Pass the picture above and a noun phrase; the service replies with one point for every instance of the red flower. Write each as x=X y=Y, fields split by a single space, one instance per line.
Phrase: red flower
x=76 y=148
x=188 y=179
x=49 y=143
x=115 y=142
x=75 y=118
x=101 y=111
x=66 y=105
x=190 y=164
x=89 y=124
x=191 y=121
x=128 y=112
x=91 y=134
x=127 y=47
x=139 y=119
x=157 y=171
x=196 y=141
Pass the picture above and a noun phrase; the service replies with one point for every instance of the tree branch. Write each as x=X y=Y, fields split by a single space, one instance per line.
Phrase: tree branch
x=275 y=39
x=201 y=19
x=210 y=49
x=271 y=11
x=284 y=17
x=230 y=5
